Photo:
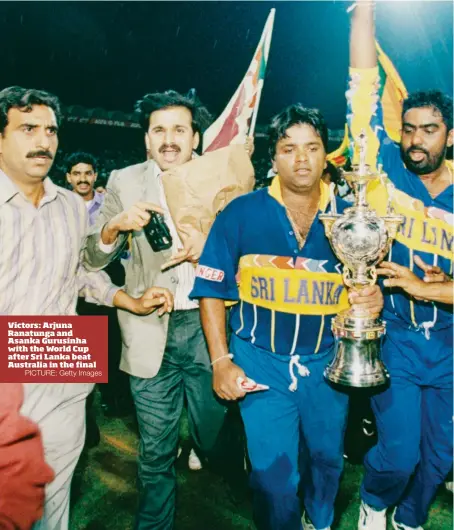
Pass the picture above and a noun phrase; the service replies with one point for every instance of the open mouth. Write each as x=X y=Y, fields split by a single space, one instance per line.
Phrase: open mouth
x=417 y=156
x=170 y=155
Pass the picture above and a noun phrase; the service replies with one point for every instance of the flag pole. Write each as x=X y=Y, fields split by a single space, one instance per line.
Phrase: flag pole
x=261 y=81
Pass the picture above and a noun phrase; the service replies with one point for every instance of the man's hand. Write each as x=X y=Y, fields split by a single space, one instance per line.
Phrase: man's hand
x=154 y=298
x=135 y=218
x=189 y=253
x=176 y=259
x=225 y=375
x=369 y=298
x=427 y=290
x=249 y=145
x=432 y=273
x=402 y=277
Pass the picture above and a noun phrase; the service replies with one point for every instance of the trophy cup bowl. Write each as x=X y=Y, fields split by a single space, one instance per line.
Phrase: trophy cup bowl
x=360 y=239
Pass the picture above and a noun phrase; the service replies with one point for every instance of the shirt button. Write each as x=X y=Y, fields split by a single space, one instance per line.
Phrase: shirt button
x=295 y=251
x=173 y=280
x=290 y=233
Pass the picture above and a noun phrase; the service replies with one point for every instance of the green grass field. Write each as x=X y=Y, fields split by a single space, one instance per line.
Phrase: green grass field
x=104 y=495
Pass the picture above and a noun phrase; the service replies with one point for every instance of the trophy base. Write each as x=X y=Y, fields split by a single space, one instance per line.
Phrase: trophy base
x=357 y=360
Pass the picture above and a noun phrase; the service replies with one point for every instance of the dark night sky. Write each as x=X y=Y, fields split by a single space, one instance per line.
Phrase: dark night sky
x=108 y=54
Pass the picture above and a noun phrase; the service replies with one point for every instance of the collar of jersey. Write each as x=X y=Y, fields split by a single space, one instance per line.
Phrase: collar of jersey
x=275 y=191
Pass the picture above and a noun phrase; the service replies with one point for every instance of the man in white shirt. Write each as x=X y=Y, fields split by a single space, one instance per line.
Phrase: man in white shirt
x=43 y=229
x=167 y=358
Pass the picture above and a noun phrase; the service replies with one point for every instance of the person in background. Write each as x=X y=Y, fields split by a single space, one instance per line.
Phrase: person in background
x=43 y=229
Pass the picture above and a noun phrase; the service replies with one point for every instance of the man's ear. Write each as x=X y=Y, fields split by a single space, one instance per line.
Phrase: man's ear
x=273 y=165
x=68 y=178
x=195 y=141
x=96 y=176
x=449 y=141
x=147 y=146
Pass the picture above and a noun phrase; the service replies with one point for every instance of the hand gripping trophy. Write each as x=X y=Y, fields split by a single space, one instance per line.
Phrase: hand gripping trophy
x=360 y=239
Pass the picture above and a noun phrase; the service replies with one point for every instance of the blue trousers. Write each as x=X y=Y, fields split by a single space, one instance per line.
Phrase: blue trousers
x=414 y=424
x=292 y=437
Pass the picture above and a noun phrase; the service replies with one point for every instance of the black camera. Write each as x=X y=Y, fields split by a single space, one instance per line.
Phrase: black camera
x=158 y=233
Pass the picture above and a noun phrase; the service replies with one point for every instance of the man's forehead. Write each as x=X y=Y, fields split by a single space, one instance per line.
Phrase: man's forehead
x=82 y=166
x=301 y=133
x=423 y=115
x=171 y=115
x=37 y=115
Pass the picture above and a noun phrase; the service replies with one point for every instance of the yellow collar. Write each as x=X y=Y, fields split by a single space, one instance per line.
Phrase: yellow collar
x=275 y=191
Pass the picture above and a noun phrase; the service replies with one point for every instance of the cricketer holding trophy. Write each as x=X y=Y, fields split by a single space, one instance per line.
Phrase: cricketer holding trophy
x=268 y=250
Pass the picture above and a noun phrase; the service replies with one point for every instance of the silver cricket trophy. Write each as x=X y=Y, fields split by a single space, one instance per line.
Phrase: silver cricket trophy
x=360 y=239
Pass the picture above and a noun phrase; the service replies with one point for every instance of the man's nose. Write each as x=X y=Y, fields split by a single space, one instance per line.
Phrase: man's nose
x=301 y=154
x=42 y=140
x=417 y=139
x=169 y=137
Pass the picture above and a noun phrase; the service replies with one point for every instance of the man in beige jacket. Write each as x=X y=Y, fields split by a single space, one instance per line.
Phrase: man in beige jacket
x=166 y=356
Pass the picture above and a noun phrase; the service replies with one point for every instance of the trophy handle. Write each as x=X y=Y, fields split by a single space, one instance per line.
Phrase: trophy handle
x=368 y=276
x=347 y=276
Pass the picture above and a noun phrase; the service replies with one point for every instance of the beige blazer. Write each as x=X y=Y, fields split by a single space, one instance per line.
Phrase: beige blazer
x=144 y=337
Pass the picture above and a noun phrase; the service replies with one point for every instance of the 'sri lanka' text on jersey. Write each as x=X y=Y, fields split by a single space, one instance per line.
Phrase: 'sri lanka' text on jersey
x=287 y=296
x=427 y=229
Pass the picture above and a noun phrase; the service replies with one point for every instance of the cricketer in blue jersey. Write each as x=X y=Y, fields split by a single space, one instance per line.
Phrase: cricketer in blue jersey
x=414 y=415
x=268 y=250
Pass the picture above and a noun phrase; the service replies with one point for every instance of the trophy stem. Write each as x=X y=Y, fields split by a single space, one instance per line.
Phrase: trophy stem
x=361 y=194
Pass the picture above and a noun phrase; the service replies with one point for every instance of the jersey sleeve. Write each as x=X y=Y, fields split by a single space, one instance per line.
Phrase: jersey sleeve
x=218 y=265
x=365 y=113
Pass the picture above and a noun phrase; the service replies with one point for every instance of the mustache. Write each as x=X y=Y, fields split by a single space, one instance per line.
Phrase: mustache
x=34 y=154
x=174 y=147
x=83 y=182
x=416 y=149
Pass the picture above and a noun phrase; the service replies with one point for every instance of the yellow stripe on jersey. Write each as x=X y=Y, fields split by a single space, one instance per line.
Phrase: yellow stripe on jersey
x=419 y=231
x=320 y=334
x=293 y=291
x=412 y=305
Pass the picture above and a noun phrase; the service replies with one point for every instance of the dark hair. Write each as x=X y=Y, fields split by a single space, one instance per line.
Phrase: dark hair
x=294 y=115
x=431 y=98
x=16 y=97
x=333 y=172
x=80 y=158
x=201 y=118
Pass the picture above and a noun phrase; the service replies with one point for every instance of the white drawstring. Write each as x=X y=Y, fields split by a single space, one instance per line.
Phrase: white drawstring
x=430 y=324
x=426 y=326
x=302 y=371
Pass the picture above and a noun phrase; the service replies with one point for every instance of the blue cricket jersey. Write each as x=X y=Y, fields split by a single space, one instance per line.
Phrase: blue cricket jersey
x=286 y=295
